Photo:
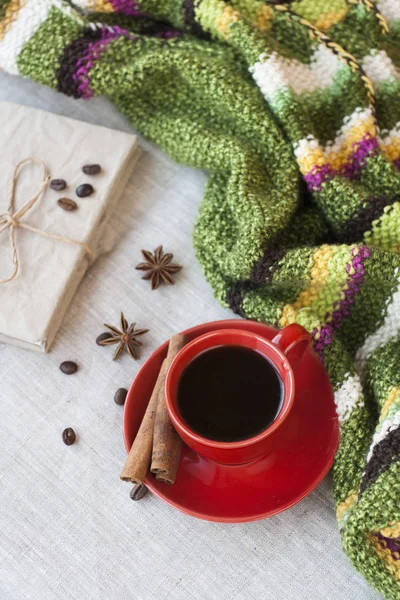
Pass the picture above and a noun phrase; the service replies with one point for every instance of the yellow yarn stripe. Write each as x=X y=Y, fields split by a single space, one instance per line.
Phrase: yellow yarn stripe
x=225 y=20
x=338 y=159
x=394 y=395
x=312 y=157
x=101 y=6
x=215 y=16
x=318 y=280
x=326 y=20
x=344 y=507
x=264 y=17
x=10 y=16
x=391 y=530
x=387 y=557
x=328 y=276
x=391 y=149
x=257 y=12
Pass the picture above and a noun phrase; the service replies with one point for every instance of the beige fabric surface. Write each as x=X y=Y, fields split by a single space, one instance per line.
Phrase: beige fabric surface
x=68 y=529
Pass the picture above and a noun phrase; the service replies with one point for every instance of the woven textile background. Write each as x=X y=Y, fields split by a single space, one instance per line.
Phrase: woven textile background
x=68 y=529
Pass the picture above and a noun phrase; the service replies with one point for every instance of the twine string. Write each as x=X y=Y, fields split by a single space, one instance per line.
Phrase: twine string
x=12 y=220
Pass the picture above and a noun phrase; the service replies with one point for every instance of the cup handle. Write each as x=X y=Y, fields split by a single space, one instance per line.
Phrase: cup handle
x=294 y=341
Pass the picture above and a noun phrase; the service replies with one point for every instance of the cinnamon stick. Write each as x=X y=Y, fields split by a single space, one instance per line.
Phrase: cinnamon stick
x=166 y=442
x=139 y=457
x=138 y=461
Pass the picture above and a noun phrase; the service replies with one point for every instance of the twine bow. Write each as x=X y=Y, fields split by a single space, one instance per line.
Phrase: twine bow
x=11 y=220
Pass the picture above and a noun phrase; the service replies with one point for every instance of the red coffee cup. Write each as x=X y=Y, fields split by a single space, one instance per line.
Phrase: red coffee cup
x=285 y=352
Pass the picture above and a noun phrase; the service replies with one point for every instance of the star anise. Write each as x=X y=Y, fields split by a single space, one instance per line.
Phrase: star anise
x=158 y=267
x=126 y=338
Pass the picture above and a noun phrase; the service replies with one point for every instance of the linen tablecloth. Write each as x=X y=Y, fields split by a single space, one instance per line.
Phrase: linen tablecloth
x=68 y=528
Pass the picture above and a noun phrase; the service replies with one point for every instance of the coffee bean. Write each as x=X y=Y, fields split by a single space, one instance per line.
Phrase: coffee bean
x=84 y=190
x=120 y=396
x=138 y=491
x=69 y=367
x=91 y=169
x=58 y=184
x=103 y=336
x=67 y=204
x=68 y=436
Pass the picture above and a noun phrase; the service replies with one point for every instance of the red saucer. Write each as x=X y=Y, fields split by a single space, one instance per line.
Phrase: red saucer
x=234 y=494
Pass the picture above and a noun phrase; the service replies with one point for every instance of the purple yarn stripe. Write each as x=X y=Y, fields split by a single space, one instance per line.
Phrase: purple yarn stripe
x=318 y=175
x=392 y=543
x=354 y=281
x=129 y=8
x=366 y=148
x=93 y=52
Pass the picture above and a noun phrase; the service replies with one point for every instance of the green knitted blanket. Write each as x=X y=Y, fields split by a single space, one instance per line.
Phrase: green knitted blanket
x=295 y=112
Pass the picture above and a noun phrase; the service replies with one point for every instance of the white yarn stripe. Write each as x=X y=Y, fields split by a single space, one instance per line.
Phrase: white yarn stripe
x=388 y=137
x=385 y=333
x=390 y=9
x=348 y=397
x=278 y=73
x=84 y=4
x=379 y=67
x=357 y=118
x=30 y=17
x=393 y=422
x=305 y=145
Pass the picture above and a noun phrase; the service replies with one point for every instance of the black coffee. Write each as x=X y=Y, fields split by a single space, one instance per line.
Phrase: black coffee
x=229 y=393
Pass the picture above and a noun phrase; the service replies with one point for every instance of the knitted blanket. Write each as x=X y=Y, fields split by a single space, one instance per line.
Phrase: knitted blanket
x=295 y=112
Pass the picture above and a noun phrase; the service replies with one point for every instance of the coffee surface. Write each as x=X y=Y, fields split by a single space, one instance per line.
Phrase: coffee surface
x=229 y=393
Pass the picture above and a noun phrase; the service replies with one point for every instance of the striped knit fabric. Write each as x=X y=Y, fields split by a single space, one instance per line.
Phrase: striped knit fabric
x=295 y=112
